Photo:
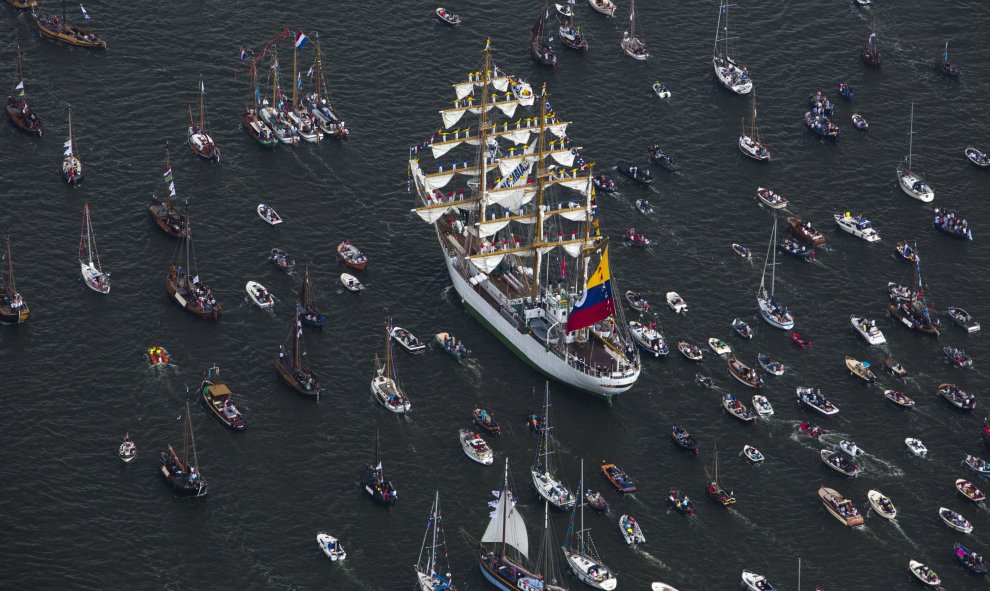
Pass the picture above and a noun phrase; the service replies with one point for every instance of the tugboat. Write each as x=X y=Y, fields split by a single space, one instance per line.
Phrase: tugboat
x=216 y=398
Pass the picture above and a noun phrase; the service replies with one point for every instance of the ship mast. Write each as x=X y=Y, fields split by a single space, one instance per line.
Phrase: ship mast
x=295 y=73
x=540 y=183
x=202 y=107
x=187 y=246
x=504 y=499
x=10 y=271
x=483 y=130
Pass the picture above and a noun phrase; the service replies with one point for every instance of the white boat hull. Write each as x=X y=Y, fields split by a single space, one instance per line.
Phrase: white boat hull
x=382 y=388
x=849 y=225
x=552 y=490
x=580 y=564
x=91 y=274
x=766 y=313
x=606 y=7
x=907 y=181
x=725 y=79
x=336 y=553
x=873 y=338
x=250 y=288
x=876 y=499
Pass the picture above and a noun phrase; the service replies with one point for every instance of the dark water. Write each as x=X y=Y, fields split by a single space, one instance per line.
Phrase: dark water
x=73 y=380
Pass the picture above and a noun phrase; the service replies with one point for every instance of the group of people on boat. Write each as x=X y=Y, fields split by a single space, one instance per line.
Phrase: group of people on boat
x=28 y=119
x=158 y=355
x=919 y=318
x=729 y=70
x=820 y=105
x=54 y=23
x=13 y=301
x=948 y=221
x=847 y=509
x=176 y=469
x=456 y=348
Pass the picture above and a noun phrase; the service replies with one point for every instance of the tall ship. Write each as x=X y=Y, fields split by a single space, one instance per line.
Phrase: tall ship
x=519 y=232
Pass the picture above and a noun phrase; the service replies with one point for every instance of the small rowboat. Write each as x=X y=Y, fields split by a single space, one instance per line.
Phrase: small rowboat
x=924 y=574
x=815 y=400
x=792 y=247
x=969 y=490
x=644 y=207
x=447 y=17
x=813 y=431
x=486 y=421
x=894 y=368
x=860 y=122
x=719 y=346
x=451 y=346
x=637 y=302
x=636 y=239
x=881 y=504
x=660 y=89
x=606 y=7
x=283 y=260
x=955 y=520
x=127 y=450
x=744 y=373
x=683 y=439
x=957 y=397
x=407 y=340
x=770 y=199
x=753 y=455
x=850 y=448
x=259 y=295
x=741 y=251
x=803 y=230
x=475 y=447
x=742 y=328
x=860 y=369
x=157 y=355
x=799 y=341
x=630 y=529
x=331 y=547
x=352 y=258
x=737 y=409
x=971 y=561
x=963 y=319
x=638 y=174
x=898 y=398
x=676 y=302
x=595 y=500
x=680 y=502
x=845 y=91
x=978 y=465
x=351 y=282
x=689 y=350
x=769 y=365
x=977 y=158
x=916 y=447
x=839 y=463
x=762 y=406
x=957 y=357
x=619 y=479
x=268 y=214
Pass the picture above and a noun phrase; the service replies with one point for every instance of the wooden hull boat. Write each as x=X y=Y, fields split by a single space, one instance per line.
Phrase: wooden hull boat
x=840 y=508
x=63 y=32
x=619 y=479
x=195 y=304
x=304 y=382
x=215 y=397
x=72 y=171
x=805 y=232
x=23 y=117
x=351 y=256
x=23 y=4
x=331 y=547
x=475 y=447
x=860 y=369
x=483 y=419
x=202 y=145
x=743 y=373
x=258 y=129
x=572 y=38
x=924 y=574
x=637 y=302
x=969 y=490
x=898 y=398
x=839 y=463
x=167 y=218
x=881 y=504
x=180 y=476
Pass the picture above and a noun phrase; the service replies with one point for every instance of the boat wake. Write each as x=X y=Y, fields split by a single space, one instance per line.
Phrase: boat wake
x=650 y=558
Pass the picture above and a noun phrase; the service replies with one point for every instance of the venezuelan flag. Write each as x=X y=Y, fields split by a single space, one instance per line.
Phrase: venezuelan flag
x=597 y=302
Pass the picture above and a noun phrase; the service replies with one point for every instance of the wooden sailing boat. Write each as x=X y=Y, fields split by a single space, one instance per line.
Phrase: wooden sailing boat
x=571 y=35
x=271 y=112
x=374 y=482
x=547 y=486
x=178 y=472
x=715 y=490
x=914 y=310
x=869 y=52
x=59 y=29
x=433 y=567
x=253 y=123
x=23 y=4
x=305 y=309
x=319 y=104
x=72 y=168
x=291 y=367
x=729 y=73
x=539 y=43
x=775 y=314
x=911 y=183
x=630 y=43
x=585 y=565
x=197 y=136
x=183 y=285
x=749 y=144
x=93 y=274
x=300 y=118
x=20 y=113
x=385 y=386
x=163 y=212
x=13 y=308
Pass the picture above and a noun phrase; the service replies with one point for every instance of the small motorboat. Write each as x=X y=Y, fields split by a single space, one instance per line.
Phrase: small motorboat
x=447 y=17
x=268 y=214
x=850 y=448
x=840 y=507
x=475 y=447
x=565 y=10
x=977 y=158
x=683 y=439
x=845 y=91
x=744 y=373
x=951 y=223
x=969 y=490
x=804 y=231
x=868 y=329
x=881 y=504
x=839 y=463
x=484 y=419
x=636 y=239
x=813 y=431
x=955 y=520
x=631 y=531
x=351 y=282
x=619 y=479
x=964 y=319
x=860 y=122
x=595 y=500
x=704 y=381
x=639 y=175
x=127 y=450
x=606 y=7
x=680 y=502
x=894 y=368
x=637 y=302
x=755 y=582
x=800 y=341
x=452 y=346
x=742 y=328
x=259 y=295
x=957 y=397
x=916 y=447
x=742 y=251
x=655 y=586
x=770 y=199
x=898 y=398
x=737 y=409
x=603 y=184
x=351 y=256
x=330 y=546
x=644 y=207
x=665 y=160
x=676 y=302
x=283 y=260
x=752 y=454
x=690 y=350
x=957 y=357
x=719 y=346
x=924 y=574
x=857 y=225
x=906 y=253
x=216 y=398
x=407 y=340
x=762 y=406
x=660 y=89
x=157 y=355
x=978 y=465
x=815 y=400
x=649 y=338
x=769 y=365
x=860 y=369
x=971 y=561
x=795 y=249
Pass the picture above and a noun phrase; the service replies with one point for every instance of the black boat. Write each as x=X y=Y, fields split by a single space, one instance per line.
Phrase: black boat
x=305 y=310
x=680 y=502
x=945 y=66
x=796 y=249
x=869 y=52
x=683 y=439
x=184 y=477
x=539 y=44
x=642 y=176
x=603 y=184
x=283 y=260
x=971 y=561
x=374 y=482
x=821 y=125
x=664 y=159
x=290 y=365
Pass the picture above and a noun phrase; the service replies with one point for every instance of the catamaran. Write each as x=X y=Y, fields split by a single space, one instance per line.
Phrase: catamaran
x=93 y=274
x=547 y=485
x=776 y=314
x=728 y=72
x=522 y=237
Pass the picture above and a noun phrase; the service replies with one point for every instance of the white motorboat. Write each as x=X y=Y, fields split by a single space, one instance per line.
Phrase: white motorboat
x=964 y=319
x=850 y=448
x=128 y=450
x=762 y=406
x=407 y=340
x=770 y=199
x=868 y=330
x=771 y=366
x=631 y=531
x=606 y=7
x=268 y=214
x=330 y=546
x=475 y=447
x=565 y=10
x=690 y=350
x=756 y=582
x=752 y=454
x=924 y=574
x=676 y=302
x=916 y=447
x=649 y=339
x=719 y=346
x=351 y=282
x=660 y=89
x=815 y=400
x=656 y=586
x=858 y=226
x=259 y=295
x=955 y=520
x=881 y=504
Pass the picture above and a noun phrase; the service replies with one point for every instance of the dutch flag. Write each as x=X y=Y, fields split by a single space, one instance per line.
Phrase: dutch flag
x=301 y=40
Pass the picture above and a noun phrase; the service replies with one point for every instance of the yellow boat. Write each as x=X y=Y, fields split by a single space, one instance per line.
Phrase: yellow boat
x=59 y=29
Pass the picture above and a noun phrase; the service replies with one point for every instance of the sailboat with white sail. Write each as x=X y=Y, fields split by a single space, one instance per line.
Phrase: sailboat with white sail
x=547 y=485
x=728 y=72
x=776 y=314
x=630 y=43
x=911 y=182
x=72 y=168
x=521 y=237
x=433 y=567
x=582 y=558
x=93 y=274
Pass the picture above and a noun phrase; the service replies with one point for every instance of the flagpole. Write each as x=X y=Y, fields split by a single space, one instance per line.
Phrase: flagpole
x=295 y=52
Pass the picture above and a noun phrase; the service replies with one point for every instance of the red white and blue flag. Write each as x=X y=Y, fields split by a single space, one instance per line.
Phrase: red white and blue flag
x=301 y=40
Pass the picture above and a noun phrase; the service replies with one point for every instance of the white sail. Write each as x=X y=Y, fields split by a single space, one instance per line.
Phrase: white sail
x=487 y=264
x=438 y=180
x=511 y=198
x=559 y=128
x=463 y=89
x=489 y=227
x=564 y=157
x=515 y=528
x=501 y=83
x=508 y=107
x=517 y=136
x=441 y=148
x=575 y=214
x=431 y=214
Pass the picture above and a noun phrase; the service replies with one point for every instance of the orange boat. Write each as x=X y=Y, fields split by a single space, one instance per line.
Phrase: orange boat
x=351 y=256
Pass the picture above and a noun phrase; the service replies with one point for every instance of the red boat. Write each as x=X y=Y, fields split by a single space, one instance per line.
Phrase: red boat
x=800 y=341
x=811 y=430
x=351 y=256
x=637 y=240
